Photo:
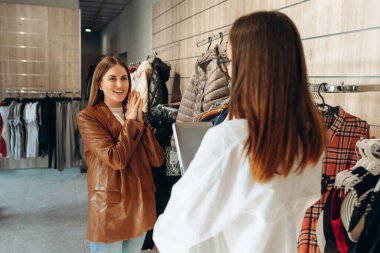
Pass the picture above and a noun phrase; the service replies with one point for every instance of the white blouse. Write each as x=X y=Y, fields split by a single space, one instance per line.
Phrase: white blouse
x=118 y=113
x=217 y=207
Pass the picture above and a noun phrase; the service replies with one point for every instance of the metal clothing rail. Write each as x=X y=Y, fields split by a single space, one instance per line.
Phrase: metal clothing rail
x=155 y=53
x=343 y=88
x=212 y=38
x=39 y=91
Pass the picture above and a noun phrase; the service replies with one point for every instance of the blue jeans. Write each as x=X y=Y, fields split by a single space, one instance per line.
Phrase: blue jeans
x=133 y=245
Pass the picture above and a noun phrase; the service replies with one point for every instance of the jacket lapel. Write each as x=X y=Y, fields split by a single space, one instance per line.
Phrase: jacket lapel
x=109 y=119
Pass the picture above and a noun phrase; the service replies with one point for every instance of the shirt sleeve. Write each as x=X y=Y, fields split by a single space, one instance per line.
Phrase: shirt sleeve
x=114 y=154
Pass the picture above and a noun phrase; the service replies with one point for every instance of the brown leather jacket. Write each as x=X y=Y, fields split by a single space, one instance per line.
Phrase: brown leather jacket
x=121 y=198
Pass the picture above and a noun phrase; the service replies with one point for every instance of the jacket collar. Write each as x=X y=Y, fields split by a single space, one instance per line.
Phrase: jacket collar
x=110 y=121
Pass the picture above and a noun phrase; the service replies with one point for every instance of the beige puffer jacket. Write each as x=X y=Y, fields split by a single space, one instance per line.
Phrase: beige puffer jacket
x=207 y=86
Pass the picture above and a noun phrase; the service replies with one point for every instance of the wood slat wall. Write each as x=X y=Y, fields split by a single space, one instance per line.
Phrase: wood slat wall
x=39 y=47
x=341 y=41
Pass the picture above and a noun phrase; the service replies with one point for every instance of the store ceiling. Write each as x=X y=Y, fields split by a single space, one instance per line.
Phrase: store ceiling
x=97 y=14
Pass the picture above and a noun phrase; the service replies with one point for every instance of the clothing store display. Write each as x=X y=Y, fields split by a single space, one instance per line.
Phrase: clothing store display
x=120 y=160
x=36 y=130
x=140 y=82
x=207 y=85
x=249 y=219
x=344 y=130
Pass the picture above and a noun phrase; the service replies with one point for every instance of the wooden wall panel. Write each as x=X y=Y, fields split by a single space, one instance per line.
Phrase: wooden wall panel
x=352 y=54
x=184 y=10
x=33 y=39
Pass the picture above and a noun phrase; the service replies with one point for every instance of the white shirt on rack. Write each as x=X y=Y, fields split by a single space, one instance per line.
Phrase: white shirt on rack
x=216 y=207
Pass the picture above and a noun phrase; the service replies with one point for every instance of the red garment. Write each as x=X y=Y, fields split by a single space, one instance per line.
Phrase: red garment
x=342 y=134
x=3 y=146
x=336 y=222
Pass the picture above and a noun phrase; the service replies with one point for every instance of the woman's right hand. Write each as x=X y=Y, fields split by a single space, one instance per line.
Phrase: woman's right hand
x=133 y=103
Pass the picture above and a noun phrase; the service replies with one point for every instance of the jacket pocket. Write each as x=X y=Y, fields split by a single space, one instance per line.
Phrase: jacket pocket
x=106 y=196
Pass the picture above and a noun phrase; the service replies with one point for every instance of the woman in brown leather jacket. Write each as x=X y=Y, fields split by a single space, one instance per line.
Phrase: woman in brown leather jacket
x=120 y=151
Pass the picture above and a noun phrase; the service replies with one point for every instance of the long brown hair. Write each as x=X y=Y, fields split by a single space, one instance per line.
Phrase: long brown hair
x=96 y=95
x=269 y=89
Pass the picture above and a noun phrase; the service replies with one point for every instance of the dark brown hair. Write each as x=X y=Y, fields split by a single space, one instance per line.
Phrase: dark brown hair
x=96 y=95
x=269 y=89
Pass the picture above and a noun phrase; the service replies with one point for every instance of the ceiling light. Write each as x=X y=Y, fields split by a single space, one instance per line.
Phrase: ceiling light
x=88 y=29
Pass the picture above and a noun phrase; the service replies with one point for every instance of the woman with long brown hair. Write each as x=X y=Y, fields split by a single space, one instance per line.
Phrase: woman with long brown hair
x=120 y=151
x=254 y=175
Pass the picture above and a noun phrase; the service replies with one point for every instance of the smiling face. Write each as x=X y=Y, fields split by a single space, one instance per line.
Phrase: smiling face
x=114 y=85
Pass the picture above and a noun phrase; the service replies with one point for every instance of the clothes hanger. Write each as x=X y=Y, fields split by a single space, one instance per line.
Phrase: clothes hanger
x=330 y=111
x=374 y=165
x=342 y=176
x=210 y=41
x=371 y=164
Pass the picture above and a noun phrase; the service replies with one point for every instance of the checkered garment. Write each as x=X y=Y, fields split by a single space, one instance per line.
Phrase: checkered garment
x=342 y=134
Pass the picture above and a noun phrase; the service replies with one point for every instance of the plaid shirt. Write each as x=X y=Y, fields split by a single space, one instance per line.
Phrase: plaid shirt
x=343 y=133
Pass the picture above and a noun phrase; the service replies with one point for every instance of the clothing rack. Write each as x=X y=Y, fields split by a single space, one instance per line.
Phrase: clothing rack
x=220 y=35
x=40 y=91
x=343 y=88
x=136 y=64
x=155 y=53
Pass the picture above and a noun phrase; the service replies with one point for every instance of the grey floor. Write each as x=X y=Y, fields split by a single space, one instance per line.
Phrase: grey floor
x=43 y=211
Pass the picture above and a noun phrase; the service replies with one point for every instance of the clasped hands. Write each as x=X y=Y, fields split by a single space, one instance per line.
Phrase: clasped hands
x=134 y=107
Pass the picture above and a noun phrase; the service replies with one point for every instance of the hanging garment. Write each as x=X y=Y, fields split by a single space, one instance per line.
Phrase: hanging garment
x=61 y=109
x=357 y=204
x=369 y=240
x=3 y=145
x=335 y=234
x=18 y=136
x=140 y=81
x=207 y=85
x=31 y=126
x=72 y=136
x=343 y=132
x=222 y=209
x=47 y=131
x=4 y=111
x=157 y=90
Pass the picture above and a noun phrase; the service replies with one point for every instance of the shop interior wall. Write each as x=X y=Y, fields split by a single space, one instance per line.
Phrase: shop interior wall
x=39 y=48
x=130 y=32
x=340 y=39
x=74 y=4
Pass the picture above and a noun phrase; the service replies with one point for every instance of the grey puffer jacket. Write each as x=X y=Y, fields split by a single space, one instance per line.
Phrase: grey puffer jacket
x=207 y=86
